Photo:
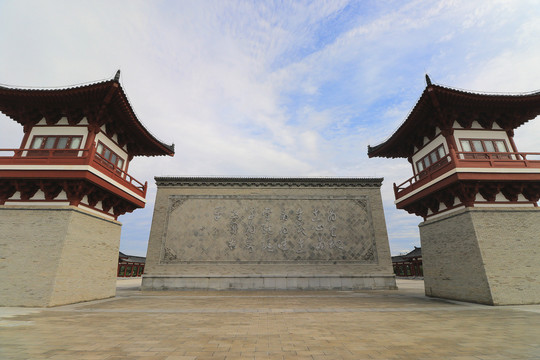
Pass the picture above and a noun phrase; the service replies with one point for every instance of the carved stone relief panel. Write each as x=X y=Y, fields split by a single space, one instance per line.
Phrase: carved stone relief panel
x=268 y=229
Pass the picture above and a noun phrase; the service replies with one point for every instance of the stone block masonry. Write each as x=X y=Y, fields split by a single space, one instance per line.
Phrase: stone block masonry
x=483 y=255
x=257 y=233
x=56 y=256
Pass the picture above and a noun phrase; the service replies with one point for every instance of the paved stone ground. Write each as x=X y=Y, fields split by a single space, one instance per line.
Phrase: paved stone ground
x=313 y=325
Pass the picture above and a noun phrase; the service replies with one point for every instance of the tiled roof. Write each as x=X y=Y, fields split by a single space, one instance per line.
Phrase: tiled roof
x=102 y=103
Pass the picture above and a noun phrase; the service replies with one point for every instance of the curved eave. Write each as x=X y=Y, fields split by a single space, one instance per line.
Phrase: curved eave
x=397 y=145
x=149 y=145
x=523 y=108
x=27 y=106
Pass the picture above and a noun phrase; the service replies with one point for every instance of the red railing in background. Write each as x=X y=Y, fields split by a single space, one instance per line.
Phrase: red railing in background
x=456 y=159
x=409 y=268
x=130 y=269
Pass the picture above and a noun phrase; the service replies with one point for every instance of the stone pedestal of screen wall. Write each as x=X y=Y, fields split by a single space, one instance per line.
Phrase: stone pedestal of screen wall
x=227 y=233
x=483 y=255
x=56 y=256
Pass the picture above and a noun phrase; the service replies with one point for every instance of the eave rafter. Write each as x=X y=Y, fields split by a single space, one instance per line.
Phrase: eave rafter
x=489 y=191
x=52 y=115
x=7 y=190
x=467 y=192
x=74 y=115
x=110 y=201
x=50 y=188
x=532 y=192
x=96 y=196
x=75 y=191
x=26 y=188
x=511 y=191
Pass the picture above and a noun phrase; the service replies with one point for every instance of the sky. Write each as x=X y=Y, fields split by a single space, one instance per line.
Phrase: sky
x=272 y=88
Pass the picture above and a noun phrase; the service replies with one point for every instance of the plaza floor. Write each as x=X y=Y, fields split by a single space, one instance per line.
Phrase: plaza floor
x=399 y=324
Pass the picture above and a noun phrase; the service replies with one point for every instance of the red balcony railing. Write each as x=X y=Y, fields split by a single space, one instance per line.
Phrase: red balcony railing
x=71 y=157
x=455 y=159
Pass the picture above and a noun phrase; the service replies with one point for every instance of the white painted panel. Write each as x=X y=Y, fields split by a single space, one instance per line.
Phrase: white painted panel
x=39 y=195
x=61 y=196
x=63 y=121
x=456 y=125
x=476 y=125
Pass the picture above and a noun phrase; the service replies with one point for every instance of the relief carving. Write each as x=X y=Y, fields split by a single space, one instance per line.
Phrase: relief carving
x=175 y=204
x=245 y=229
x=169 y=255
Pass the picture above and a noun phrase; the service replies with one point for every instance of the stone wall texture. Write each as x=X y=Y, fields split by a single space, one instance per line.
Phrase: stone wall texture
x=240 y=234
x=56 y=256
x=488 y=256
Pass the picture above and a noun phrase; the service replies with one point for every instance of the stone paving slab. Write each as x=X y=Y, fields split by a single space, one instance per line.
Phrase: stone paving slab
x=402 y=324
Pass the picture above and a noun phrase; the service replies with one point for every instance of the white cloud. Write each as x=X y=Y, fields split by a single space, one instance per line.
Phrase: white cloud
x=281 y=89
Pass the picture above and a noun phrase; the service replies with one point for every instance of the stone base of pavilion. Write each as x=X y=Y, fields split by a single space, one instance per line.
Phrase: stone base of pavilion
x=58 y=255
x=483 y=255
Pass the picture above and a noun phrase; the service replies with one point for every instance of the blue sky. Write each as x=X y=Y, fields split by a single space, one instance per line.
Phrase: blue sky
x=262 y=88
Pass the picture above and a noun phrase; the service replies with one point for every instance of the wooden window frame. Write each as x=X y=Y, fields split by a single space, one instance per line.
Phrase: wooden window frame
x=108 y=161
x=493 y=142
x=45 y=151
x=429 y=157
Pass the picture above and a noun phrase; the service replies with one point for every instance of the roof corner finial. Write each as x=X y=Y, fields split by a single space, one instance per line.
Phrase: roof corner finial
x=117 y=76
x=428 y=80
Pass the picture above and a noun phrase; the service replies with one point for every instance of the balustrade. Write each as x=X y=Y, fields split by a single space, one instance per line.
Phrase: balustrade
x=461 y=159
x=88 y=156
